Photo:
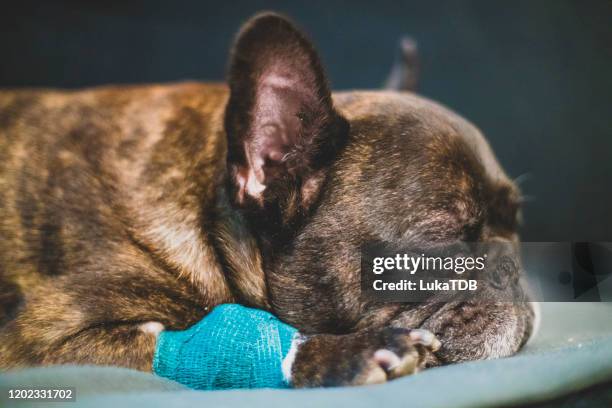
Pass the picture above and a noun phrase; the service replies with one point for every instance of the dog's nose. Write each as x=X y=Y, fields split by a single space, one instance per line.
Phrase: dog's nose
x=503 y=259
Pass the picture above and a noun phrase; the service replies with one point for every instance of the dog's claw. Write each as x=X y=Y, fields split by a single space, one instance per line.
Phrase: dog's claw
x=394 y=362
x=425 y=338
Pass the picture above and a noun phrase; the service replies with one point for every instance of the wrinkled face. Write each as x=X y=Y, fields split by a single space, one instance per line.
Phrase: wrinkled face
x=412 y=172
x=415 y=171
x=319 y=177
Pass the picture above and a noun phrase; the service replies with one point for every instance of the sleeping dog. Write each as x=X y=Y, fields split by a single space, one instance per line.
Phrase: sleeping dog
x=128 y=210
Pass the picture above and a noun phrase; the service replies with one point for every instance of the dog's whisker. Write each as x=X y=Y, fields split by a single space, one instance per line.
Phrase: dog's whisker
x=522 y=178
x=526 y=199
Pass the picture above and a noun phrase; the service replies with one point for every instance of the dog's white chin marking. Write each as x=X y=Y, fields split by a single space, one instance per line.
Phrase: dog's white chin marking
x=153 y=328
x=287 y=363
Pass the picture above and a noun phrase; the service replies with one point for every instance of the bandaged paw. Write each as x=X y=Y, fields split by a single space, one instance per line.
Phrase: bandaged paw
x=232 y=347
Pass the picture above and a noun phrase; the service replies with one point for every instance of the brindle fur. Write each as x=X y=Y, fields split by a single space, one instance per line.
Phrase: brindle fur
x=124 y=205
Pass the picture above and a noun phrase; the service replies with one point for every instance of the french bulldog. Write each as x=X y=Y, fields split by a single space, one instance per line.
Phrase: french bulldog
x=127 y=210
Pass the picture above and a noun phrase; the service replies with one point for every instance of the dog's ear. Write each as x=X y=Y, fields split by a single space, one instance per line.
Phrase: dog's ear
x=280 y=122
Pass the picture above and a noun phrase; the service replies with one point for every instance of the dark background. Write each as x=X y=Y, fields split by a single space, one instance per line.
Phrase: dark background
x=535 y=76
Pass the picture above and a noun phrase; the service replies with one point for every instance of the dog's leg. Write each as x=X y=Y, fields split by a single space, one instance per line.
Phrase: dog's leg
x=125 y=345
x=113 y=321
x=366 y=357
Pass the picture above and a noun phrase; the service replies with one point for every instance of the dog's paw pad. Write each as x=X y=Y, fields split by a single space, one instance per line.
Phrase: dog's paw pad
x=387 y=359
x=395 y=366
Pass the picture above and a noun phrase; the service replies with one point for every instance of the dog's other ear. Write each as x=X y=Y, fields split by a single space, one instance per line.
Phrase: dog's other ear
x=280 y=122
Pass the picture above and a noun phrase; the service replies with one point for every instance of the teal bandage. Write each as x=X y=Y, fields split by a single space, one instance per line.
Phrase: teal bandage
x=232 y=347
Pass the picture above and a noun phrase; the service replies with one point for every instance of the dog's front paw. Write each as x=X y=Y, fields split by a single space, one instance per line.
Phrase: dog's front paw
x=367 y=357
